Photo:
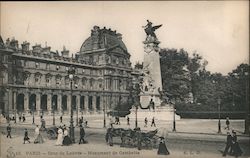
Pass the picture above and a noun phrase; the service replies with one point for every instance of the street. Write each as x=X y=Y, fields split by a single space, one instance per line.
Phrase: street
x=179 y=145
x=193 y=138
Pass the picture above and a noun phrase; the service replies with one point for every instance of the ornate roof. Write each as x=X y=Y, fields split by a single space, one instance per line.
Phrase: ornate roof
x=102 y=39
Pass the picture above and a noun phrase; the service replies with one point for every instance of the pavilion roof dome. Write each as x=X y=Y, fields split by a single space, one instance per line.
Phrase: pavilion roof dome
x=102 y=39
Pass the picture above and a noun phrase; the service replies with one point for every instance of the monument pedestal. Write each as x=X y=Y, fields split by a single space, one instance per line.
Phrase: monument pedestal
x=163 y=113
x=152 y=82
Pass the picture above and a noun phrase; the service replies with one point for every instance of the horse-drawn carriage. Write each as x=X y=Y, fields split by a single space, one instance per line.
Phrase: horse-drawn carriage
x=133 y=138
x=52 y=132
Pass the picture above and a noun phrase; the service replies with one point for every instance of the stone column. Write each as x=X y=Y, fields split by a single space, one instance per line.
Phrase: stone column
x=38 y=103
x=94 y=103
x=49 y=107
x=86 y=99
x=10 y=100
x=59 y=103
x=26 y=103
x=14 y=101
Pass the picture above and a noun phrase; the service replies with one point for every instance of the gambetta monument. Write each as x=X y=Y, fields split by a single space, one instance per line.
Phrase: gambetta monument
x=150 y=97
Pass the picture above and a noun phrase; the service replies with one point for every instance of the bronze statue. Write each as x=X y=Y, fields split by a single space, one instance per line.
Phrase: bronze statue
x=150 y=29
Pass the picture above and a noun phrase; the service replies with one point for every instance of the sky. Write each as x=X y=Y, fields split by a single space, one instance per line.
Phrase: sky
x=217 y=30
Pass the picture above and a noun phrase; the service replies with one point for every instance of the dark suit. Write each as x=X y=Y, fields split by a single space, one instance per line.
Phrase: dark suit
x=8 y=131
x=228 y=145
x=236 y=147
x=82 y=134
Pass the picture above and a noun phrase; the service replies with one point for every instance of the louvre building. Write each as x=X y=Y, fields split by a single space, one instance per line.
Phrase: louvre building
x=36 y=78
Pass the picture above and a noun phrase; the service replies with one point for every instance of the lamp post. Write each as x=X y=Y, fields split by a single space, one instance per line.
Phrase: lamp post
x=71 y=73
x=33 y=109
x=136 y=122
x=174 y=123
x=53 y=108
x=76 y=105
x=14 y=106
x=104 y=110
x=8 y=107
x=219 y=124
x=77 y=120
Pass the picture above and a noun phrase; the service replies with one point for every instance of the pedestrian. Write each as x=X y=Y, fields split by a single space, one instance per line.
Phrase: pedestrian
x=59 y=136
x=61 y=119
x=228 y=144
x=38 y=136
x=8 y=131
x=111 y=122
x=153 y=122
x=110 y=136
x=128 y=120
x=26 y=137
x=86 y=123
x=235 y=145
x=24 y=118
x=66 y=139
x=118 y=120
x=146 y=122
x=227 y=123
x=20 y=118
x=82 y=134
x=162 y=149
x=43 y=124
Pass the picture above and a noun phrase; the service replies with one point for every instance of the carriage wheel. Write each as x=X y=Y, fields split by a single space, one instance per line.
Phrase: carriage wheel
x=49 y=135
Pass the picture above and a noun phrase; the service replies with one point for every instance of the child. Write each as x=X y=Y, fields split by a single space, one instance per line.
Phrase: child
x=26 y=137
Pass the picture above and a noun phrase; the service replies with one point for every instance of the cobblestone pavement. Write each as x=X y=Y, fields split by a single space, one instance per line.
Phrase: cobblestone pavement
x=97 y=148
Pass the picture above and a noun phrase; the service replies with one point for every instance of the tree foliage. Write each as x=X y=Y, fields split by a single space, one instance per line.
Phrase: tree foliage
x=185 y=74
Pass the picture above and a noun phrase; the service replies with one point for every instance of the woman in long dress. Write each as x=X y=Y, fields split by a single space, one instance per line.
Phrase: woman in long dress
x=59 y=136
x=38 y=136
x=66 y=139
x=162 y=150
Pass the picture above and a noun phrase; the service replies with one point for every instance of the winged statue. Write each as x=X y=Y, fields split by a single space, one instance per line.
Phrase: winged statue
x=150 y=29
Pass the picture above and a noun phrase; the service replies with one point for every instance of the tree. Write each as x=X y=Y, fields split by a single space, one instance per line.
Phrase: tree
x=175 y=78
x=195 y=66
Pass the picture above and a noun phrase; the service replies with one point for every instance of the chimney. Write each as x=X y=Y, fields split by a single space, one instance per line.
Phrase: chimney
x=25 y=46
x=37 y=48
x=65 y=53
x=14 y=43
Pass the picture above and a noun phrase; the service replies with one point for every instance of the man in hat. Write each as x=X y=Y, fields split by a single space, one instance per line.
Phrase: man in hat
x=153 y=122
x=128 y=120
x=227 y=123
x=235 y=145
x=61 y=119
x=24 y=118
x=8 y=131
x=228 y=144
x=82 y=134
x=146 y=122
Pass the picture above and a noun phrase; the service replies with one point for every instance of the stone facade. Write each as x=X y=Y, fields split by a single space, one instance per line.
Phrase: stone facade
x=37 y=79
